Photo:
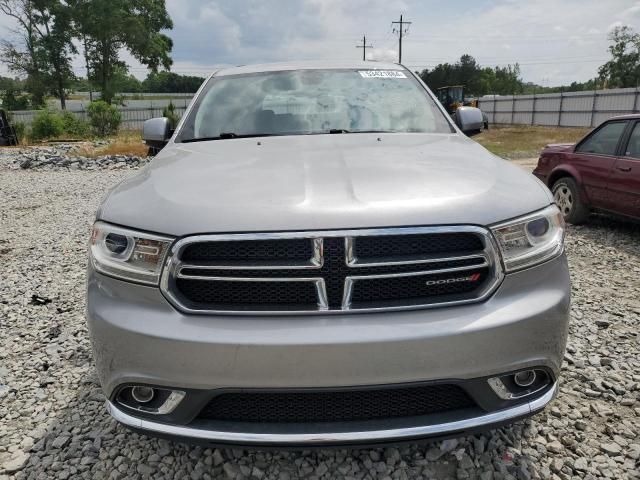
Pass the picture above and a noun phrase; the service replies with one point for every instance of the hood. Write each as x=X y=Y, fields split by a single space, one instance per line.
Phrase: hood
x=322 y=182
x=559 y=147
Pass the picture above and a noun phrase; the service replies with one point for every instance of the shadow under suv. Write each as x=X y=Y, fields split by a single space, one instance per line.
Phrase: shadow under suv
x=319 y=256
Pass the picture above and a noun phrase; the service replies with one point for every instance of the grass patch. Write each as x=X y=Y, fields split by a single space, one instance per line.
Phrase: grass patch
x=127 y=142
x=523 y=141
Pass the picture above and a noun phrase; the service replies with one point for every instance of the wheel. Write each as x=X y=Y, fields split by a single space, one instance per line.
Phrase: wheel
x=567 y=196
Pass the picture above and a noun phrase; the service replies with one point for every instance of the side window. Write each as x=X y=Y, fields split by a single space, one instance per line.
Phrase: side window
x=604 y=141
x=633 y=147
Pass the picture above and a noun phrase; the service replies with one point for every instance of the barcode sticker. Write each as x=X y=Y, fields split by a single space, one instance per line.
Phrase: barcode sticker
x=382 y=74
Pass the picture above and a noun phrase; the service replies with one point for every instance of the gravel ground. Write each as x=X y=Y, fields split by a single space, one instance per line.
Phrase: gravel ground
x=52 y=418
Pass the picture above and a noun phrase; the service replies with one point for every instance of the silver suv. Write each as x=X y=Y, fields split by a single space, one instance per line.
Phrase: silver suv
x=319 y=255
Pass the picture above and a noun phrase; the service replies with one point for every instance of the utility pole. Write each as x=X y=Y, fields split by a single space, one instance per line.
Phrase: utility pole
x=364 y=47
x=401 y=31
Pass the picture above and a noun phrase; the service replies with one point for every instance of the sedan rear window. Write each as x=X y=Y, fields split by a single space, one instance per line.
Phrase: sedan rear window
x=304 y=102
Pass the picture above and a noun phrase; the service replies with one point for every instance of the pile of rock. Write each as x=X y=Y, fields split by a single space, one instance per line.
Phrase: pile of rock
x=51 y=162
x=65 y=156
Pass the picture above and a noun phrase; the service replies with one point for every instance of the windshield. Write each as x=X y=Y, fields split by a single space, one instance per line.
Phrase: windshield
x=456 y=94
x=304 y=102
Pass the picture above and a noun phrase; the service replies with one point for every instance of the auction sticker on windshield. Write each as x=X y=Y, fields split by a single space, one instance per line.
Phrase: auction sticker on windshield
x=382 y=74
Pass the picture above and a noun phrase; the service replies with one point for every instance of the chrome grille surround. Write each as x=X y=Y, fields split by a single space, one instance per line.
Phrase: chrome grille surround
x=174 y=267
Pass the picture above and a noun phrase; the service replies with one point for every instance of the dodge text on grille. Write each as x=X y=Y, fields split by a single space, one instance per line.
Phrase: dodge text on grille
x=471 y=278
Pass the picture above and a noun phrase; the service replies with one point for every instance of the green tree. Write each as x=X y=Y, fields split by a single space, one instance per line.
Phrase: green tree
x=468 y=74
x=110 y=26
x=11 y=83
x=170 y=112
x=11 y=100
x=80 y=84
x=104 y=118
x=486 y=81
x=623 y=70
x=21 y=53
x=442 y=75
x=55 y=35
x=507 y=80
x=47 y=124
x=124 y=82
x=169 y=82
x=43 y=49
x=477 y=80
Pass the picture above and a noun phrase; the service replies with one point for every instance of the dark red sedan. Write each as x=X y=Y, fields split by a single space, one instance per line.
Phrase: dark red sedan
x=599 y=173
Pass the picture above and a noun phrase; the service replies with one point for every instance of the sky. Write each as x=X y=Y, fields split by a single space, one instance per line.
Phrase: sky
x=554 y=41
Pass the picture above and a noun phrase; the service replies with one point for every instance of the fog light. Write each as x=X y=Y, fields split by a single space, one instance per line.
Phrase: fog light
x=525 y=378
x=142 y=394
x=512 y=386
x=151 y=400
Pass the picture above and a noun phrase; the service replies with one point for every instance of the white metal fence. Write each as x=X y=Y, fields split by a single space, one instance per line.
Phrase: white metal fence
x=132 y=117
x=570 y=109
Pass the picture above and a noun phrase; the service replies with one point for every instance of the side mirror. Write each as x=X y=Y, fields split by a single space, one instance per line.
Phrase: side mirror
x=156 y=133
x=469 y=120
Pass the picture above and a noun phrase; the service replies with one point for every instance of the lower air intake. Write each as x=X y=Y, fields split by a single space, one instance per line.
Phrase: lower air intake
x=336 y=406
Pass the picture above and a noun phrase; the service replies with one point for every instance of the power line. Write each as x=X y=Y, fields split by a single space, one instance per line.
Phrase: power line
x=487 y=38
x=364 y=47
x=524 y=37
x=510 y=60
x=415 y=63
x=401 y=31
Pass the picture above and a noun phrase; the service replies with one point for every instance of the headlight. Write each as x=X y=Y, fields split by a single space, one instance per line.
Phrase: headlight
x=128 y=254
x=532 y=239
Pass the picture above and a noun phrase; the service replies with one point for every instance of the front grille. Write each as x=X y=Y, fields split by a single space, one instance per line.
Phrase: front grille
x=406 y=245
x=416 y=287
x=331 y=271
x=246 y=250
x=336 y=406
x=255 y=294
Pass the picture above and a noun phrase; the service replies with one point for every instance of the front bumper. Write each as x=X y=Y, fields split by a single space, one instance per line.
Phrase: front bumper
x=458 y=427
x=542 y=177
x=139 y=338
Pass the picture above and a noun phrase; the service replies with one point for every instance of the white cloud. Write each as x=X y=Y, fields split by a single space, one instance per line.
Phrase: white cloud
x=562 y=41
x=383 y=55
x=632 y=11
x=559 y=41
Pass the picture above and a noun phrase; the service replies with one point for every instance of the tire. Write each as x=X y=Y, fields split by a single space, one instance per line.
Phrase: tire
x=567 y=196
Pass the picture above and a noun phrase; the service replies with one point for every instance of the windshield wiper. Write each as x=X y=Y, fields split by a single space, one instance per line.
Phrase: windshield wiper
x=228 y=135
x=344 y=130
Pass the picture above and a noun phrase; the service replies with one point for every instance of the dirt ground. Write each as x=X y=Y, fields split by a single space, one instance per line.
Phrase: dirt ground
x=525 y=142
